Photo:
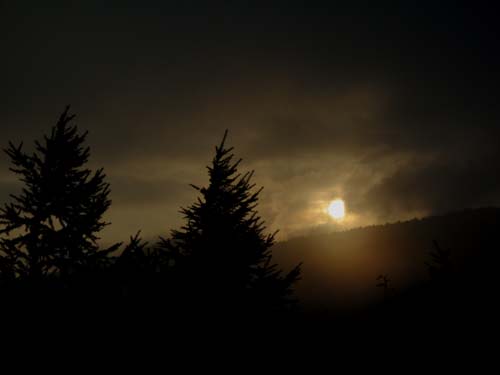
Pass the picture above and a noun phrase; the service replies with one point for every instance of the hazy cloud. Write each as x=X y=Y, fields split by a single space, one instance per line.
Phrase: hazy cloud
x=387 y=108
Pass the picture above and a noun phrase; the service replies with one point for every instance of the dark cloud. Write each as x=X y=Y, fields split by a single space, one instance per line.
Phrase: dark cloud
x=392 y=107
x=437 y=186
x=132 y=190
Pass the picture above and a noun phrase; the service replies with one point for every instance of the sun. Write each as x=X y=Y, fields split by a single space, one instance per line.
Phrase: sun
x=336 y=209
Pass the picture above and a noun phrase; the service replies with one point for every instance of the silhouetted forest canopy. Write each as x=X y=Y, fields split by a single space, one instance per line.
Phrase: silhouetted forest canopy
x=220 y=262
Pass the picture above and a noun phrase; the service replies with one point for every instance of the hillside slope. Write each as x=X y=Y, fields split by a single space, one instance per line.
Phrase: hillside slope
x=340 y=269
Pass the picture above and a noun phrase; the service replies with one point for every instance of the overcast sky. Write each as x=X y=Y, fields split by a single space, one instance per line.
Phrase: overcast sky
x=391 y=107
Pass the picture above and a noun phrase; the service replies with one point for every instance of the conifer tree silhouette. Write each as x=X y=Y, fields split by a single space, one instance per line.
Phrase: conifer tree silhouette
x=138 y=270
x=222 y=253
x=383 y=283
x=132 y=265
x=440 y=265
x=51 y=227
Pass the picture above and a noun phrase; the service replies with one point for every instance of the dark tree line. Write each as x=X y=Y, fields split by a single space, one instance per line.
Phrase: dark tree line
x=220 y=261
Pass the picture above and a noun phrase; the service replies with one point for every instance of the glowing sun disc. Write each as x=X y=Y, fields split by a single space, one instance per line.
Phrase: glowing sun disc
x=336 y=209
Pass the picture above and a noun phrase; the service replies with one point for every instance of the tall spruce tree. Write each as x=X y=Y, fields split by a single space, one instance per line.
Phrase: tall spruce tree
x=221 y=254
x=51 y=227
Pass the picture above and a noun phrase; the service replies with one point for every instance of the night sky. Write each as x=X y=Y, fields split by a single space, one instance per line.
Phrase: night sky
x=390 y=106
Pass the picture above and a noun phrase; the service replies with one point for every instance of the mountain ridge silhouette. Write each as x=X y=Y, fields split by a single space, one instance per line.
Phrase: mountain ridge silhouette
x=340 y=268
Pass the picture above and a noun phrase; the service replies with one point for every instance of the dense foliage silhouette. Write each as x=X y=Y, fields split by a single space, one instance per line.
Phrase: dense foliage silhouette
x=50 y=230
x=219 y=262
x=221 y=254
